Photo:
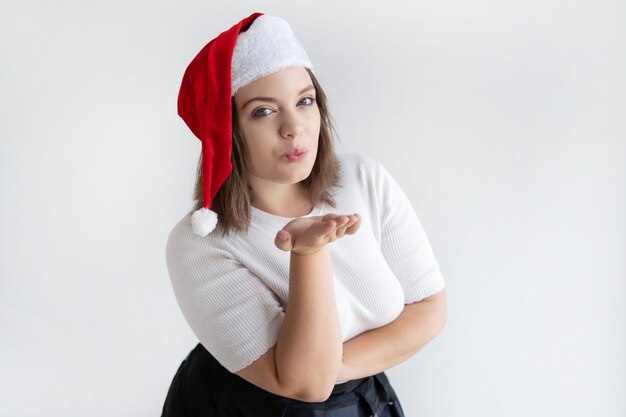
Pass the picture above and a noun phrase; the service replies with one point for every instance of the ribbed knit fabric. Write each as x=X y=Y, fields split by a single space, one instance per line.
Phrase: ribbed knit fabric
x=234 y=290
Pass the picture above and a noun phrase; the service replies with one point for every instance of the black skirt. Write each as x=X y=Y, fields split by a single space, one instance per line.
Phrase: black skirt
x=203 y=387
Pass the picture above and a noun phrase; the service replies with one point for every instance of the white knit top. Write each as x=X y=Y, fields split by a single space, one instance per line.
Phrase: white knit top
x=233 y=290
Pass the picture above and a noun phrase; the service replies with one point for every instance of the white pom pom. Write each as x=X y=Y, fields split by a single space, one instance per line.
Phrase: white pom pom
x=203 y=221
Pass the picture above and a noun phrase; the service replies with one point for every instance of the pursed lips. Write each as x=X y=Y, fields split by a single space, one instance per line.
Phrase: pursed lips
x=296 y=151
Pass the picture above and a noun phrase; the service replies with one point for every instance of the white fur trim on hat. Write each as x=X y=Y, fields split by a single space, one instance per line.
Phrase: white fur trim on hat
x=266 y=47
x=203 y=221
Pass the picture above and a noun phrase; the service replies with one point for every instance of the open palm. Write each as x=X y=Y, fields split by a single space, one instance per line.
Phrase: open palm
x=306 y=235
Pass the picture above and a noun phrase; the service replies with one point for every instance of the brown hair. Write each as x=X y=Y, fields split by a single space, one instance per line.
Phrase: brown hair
x=232 y=201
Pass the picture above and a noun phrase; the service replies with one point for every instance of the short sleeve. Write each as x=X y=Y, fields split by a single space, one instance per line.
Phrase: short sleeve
x=234 y=314
x=403 y=240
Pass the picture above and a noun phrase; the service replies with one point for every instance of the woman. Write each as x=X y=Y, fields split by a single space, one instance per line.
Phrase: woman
x=295 y=316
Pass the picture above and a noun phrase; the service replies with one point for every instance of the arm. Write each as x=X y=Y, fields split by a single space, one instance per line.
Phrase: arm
x=239 y=319
x=308 y=351
x=379 y=349
x=407 y=250
x=306 y=358
x=305 y=361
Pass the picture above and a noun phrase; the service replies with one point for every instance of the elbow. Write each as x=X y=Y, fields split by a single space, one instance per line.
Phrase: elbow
x=314 y=392
x=315 y=396
x=324 y=394
x=321 y=398
x=311 y=386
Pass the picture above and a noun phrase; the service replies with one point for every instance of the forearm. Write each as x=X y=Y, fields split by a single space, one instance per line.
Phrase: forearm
x=379 y=349
x=309 y=347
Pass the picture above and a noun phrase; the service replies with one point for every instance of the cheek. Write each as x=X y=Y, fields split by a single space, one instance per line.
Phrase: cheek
x=314 y=123
x=257 y=153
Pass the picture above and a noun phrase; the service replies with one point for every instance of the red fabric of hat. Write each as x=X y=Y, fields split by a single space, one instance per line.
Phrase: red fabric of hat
x=204 y=103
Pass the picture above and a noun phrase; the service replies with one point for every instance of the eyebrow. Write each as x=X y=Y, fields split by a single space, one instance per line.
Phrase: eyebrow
x=273 y=100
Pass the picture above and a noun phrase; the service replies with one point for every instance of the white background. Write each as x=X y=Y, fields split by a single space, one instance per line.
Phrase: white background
x=502 y=120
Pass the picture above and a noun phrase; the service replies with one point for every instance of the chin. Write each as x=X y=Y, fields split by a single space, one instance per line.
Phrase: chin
x=299 y=176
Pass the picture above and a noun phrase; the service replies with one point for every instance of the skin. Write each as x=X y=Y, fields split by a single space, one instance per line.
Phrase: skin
x=278 y=113
x=310 y=357
x=273 y=127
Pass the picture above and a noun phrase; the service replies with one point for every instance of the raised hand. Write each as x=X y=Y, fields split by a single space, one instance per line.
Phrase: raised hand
x=306 y=235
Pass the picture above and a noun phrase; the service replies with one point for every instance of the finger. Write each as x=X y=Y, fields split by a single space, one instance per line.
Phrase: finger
x=283 y=240
x=322 y=229
x=343 y=223
x=342 y=229
x=340 y=232
x=339 y=218
x=329 y=216
x=354 y=227
x=327 y=232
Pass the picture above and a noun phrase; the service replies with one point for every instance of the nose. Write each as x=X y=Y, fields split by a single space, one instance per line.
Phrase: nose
x=291 y=126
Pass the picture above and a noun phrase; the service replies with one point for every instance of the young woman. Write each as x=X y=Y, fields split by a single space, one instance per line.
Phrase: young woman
x=303 y=273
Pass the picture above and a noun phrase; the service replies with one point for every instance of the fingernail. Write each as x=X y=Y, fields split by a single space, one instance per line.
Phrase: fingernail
x=282 y=237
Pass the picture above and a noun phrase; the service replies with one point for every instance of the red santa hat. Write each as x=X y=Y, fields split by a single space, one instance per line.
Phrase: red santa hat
x=253 y=48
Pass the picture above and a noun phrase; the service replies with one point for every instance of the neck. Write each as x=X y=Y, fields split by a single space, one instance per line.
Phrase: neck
x=286 y=200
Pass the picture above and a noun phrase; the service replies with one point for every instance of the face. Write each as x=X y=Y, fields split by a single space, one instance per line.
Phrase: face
x=278 y=115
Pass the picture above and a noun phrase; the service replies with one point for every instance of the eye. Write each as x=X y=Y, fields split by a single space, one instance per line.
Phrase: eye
x=311 y=100
x=261 y=113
